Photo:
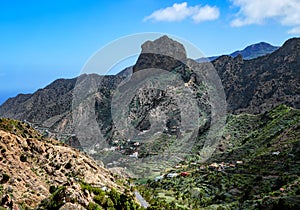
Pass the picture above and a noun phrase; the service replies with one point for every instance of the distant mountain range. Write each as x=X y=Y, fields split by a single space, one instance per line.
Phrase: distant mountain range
x=250 y=52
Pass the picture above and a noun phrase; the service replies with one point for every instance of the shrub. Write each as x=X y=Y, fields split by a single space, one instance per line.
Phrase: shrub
x=52 y=189
x=55 y=201
x=68 y=165
x=93 y=206
x=91 y=189
x=100 y=199
x=4 y=179
x=23 y=158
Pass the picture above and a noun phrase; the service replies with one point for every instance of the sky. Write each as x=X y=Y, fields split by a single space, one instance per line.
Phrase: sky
x=45 y=40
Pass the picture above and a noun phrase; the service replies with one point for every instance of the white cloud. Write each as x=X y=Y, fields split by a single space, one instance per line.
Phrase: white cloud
x=286 y=12
x=181 y=11
x=206 y=13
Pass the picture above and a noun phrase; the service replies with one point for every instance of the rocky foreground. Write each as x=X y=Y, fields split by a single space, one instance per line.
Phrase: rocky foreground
x=41 y=173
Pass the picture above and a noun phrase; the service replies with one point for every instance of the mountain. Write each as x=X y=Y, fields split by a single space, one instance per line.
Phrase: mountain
x=141 y=112
x=42 y=173
x=159 y=119
x=257 y=85
x=255 y=50
x=64 y=109
x=275 y=74
x=249 y=52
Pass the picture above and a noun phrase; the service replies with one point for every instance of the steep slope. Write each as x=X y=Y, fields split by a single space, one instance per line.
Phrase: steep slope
x=43 y=172
x=257 y=85
x=257 y=138
x=52 y=109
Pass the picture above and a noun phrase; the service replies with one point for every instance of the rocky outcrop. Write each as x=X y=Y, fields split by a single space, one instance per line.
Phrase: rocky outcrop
x=163 y=53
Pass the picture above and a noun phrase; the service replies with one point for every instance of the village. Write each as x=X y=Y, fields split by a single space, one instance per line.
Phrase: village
x=194 y=167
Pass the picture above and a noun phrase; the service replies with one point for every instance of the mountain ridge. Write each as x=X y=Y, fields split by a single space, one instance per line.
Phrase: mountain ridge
x=12 y=102
x=251 y=86
x=249 y=52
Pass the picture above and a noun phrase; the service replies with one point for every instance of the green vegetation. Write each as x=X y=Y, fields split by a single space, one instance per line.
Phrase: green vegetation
x=94 y=206
x=257 y=168
x=112 y=199
x=101 y=199
x=55 y=201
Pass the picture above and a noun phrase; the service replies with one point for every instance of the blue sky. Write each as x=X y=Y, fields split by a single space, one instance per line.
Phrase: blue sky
x=45 y=40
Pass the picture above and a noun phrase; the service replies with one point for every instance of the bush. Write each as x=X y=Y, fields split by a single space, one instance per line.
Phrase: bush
x=52 y=189
x=55 y=201
x=100 y=199
x=4 y=179
x=68 y=165
x=23 y=158
x=94 y=206
x=91 y=189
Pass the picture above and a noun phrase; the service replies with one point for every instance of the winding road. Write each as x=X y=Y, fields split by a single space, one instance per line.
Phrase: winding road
x=141 y=200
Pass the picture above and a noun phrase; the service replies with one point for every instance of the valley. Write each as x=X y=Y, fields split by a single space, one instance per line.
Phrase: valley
x=167 y=133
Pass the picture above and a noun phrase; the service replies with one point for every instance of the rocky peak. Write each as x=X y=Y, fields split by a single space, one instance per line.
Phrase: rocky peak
x=165 y=46
x=293 y=43
x=162 y=53
x=255 y=50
